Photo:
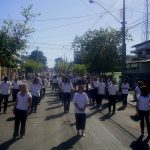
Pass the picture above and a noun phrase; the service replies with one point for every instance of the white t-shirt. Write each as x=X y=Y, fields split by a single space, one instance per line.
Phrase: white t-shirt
x=101 y=88
x=125 y=88
x=45 y=82
x=23 y=101
x=67 y=87
x=112 y=89
x=35 y=89
x=143 y=103
x=137 y=91
x=15 y=85
x=81 y=100
x=95 y=84
x=5 y=88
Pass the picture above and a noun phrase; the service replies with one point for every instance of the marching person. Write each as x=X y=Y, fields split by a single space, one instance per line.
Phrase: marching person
x=21 y=110
x=124 y=91
x=101 y=89
x=80 y=100
x=6 y=90
x=45 y=84
x=143 y=101
x=15 y=88
x=67 y=89
x=35 y=88
x=112 y=91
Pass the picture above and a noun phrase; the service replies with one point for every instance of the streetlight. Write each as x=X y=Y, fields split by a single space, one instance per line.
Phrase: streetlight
x=123 y=60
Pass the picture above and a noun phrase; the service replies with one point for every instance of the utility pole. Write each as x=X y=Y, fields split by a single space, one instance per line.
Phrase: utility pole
x=147 y=20
x=123 y=66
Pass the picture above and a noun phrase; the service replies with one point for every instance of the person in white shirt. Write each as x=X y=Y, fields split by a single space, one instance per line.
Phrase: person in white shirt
x=143 y=107
x=124 y=93
x=15 y=88
x=35 y=88
x=21 y=110
x=112 y=91
x=6 y=90
x=67 y=89
x=80 y=100
x=45 y=84
x=94 y=91
x=101 y=91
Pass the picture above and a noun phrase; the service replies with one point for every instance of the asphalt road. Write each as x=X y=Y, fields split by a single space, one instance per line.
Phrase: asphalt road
x=51 y=129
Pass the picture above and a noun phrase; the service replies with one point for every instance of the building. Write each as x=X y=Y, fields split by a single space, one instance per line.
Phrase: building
x=139 y=67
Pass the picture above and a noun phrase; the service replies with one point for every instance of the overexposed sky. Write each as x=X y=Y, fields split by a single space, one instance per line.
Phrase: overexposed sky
x=61 y=20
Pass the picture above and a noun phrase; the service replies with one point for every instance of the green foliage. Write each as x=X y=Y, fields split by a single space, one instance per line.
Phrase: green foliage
x=32 y=66
x=79 y=69
x=99 y=50
x=13 y=37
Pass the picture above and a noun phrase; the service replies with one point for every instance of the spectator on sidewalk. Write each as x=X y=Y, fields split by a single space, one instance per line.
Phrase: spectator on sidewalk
x=21 y=110
x=6 y=90
x=143 y=101
x=80 y=100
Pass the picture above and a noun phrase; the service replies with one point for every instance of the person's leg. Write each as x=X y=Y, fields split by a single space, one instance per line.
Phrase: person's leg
x=36 y=103
x=125 y=100
x=141 y=115
x=109 y=104
x=33 y=103
x=17 y=123
x=147 y=122
x=114 y=103
x=68 y=101
x=65 y=102
x=83 y=123
x=5 y=103
x=1 y=100
x=77 y=123
x=44 y=89
x=23 y=123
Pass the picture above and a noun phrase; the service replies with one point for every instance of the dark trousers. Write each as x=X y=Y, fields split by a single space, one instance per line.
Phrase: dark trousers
x=43 y=92
x=80 y=121
x=14 y=94
x=5 y=99
x=20 y=122
x=124 y=100
x=144 y=115
x=94 y=95
x=99 y=99
x=35 y=101
x=112 y=102
x=66 y=100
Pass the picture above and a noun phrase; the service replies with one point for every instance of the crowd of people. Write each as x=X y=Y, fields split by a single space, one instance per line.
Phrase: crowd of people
x=82 y=90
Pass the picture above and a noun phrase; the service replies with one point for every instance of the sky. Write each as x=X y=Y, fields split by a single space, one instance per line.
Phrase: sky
x=61 y=20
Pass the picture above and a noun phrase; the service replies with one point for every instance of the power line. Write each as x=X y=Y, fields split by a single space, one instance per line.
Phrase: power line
x=55 y=19
x=49 y=44
x=65 y=25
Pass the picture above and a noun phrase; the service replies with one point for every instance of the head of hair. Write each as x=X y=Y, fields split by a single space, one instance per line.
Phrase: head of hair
x=23 y=88
x=5 y=78
x=35 y=80
x=144 y=91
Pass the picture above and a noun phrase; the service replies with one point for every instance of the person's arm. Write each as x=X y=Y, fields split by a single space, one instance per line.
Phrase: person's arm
x=30 y=102
x=10 y=88
x=15 y=105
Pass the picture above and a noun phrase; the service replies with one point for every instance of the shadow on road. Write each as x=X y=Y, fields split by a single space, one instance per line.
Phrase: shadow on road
x=135 y=117
x=67 y=144
x=7 y=144
x=10 y=119
x=54 y=116
x=54 y=107
x=139 y=144
x=106 y=116
x=53 y=102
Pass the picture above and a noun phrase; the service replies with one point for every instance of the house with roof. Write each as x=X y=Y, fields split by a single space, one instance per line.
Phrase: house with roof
x=139 y=67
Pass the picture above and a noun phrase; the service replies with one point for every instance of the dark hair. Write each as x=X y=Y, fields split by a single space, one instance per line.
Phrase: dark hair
x=144 y=91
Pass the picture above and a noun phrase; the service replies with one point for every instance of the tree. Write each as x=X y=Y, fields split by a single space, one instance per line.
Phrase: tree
x=13 y=37
x=99 y=50
x=38 y=56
